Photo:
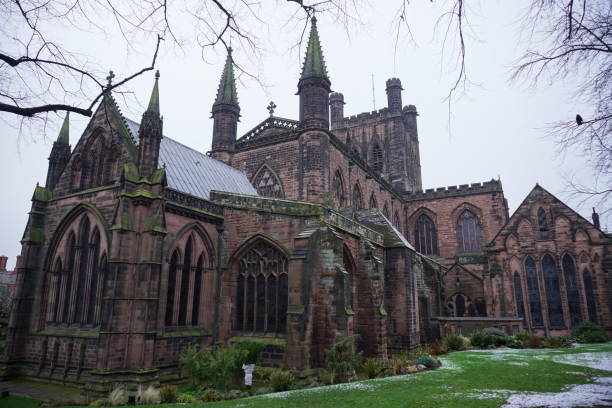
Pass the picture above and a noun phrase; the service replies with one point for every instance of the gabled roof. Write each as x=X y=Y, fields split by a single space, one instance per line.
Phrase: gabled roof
x=270 y=125
x=195 y=173
x=518 y=213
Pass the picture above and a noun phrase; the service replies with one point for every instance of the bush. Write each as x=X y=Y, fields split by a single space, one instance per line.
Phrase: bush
x=281 y=380
x=167 y=394
x=372 y=367
x=558 y=342
x=438 y=348
x=535 y=342
x=195 y=364
x=589 y=332
x=102 y=402
x=262 y=375
x=210 y=396
x=427 y=361
x=118 y=396
x=489 y=337
x=150 y=395
x=186 y=399
x=514 y=342
x=251 y=350
x=326 y=378
x=341 y=360
x=454 y=342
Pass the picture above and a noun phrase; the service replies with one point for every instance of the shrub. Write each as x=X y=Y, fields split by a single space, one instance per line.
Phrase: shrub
x=251 y=350
x=281 y=380
x=454 y=342
x=564 y=341
x=150 y=395
x=438 y=348
x=326 y=378
x=195 y=364
x=262 y=375
x=118 y=396
x=514 y=342
x=523 y=336
x=186 y=399
x=535 y=342
x=210 y=396
x=589 y=332
x=102 y=402
x=341 y=360
x=427 y=361
x=372 y=367
x=167 y=394
x=488 y=337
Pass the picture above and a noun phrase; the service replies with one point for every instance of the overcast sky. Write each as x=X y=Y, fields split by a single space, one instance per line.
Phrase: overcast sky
x=497 y=128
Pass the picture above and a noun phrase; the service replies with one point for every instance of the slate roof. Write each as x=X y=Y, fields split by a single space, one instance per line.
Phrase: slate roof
x=195 y=173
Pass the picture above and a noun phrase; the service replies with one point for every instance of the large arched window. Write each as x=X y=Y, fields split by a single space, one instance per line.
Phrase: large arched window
x=468 y=233
x=373 y=203
x=357 y=198
x=533 y=292
x=267 y=184
x=553 y=293
x=377 y=158
x=571 y=288
x=544 y=232
x=74 y=286
x=518 y=295
x=338 y=188
x=262 y=290
x=425 y=236
x=186 y=277
x=589 y=293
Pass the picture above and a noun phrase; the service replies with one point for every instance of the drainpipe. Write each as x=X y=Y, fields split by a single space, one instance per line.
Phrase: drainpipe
x=217 y=297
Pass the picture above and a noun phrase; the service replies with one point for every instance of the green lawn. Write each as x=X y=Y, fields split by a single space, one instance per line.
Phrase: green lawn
x=466 y=379
x=18 y=402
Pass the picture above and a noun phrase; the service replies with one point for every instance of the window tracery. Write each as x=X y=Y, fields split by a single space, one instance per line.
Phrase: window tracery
x=468 y=233
x=377 y=158
x=425 y=236
x=518 y=295
x=553 y=292
x=571 y=288
x=533 y=292
x=267 y=184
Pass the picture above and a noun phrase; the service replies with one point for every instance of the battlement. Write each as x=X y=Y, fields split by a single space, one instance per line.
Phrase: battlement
x=453 y=191
x=374 y=116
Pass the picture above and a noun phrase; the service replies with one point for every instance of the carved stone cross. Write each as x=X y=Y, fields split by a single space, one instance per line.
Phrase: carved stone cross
x=271 y=108
x=109 y=78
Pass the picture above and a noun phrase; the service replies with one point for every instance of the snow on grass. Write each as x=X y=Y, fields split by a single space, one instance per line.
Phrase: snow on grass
x=448 y=365
x=584 y=395
x=600 y=361
x=355 y=386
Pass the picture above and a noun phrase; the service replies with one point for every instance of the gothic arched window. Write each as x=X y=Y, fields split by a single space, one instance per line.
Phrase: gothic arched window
x=338 y=188
x=73 y=286
x=544 y=232
x=571 y=287
x=186 y=284
x=518 y=295
x=357 y=198
x=267 y=184
x=377 y=158
x=386 y=212
x=533 y=292
x=589 y=293
x=397 y=222
x=373 y=203
x=425 y=236
x=262 y=290
x=468 y=233
x=553 y=293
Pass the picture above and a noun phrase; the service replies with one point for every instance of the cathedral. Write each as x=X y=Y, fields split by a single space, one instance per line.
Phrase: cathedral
x=298 y=233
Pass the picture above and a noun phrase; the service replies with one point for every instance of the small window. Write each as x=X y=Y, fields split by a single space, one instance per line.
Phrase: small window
x=544 y=232
x=377 y=158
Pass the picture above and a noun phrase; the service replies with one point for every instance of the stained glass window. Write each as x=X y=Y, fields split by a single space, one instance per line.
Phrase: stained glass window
x=425 y=236
x=518 y=295
x=553 y=293
x=533 y=292
x=262 y=291
x=468 y=233
x=571 y=287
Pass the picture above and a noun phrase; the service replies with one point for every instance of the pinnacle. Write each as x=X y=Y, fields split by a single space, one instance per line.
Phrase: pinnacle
x=226 y=94
x=64 y=134
x=314 y=63
x=154 y=101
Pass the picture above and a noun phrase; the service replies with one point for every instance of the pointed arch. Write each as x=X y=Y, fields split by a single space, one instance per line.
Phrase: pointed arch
x=373 y=203
x=518 y=295
x=357 y=201
x=171 y=289
x=589 y=293
x=339 y=189
x=386 y=211
x=376 y=157
x=571 y=288
x=267 y=183
x=468 y=233
x=425 y=235
x=543 y=229
x=262 y=287
x=553 y=291
x=533 y=292
x=397 y=221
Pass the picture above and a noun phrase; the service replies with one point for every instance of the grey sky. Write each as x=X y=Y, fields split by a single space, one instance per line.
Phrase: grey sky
x=497 y=128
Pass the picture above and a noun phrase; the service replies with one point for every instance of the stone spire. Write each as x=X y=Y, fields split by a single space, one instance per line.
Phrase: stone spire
x=150 y=134
x=314 y=85
x=60 y=154
x=225 y=113
x=226 y=93
x=314 y=63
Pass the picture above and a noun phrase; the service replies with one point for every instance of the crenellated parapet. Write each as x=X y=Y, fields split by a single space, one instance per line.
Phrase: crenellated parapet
x=455 y=191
